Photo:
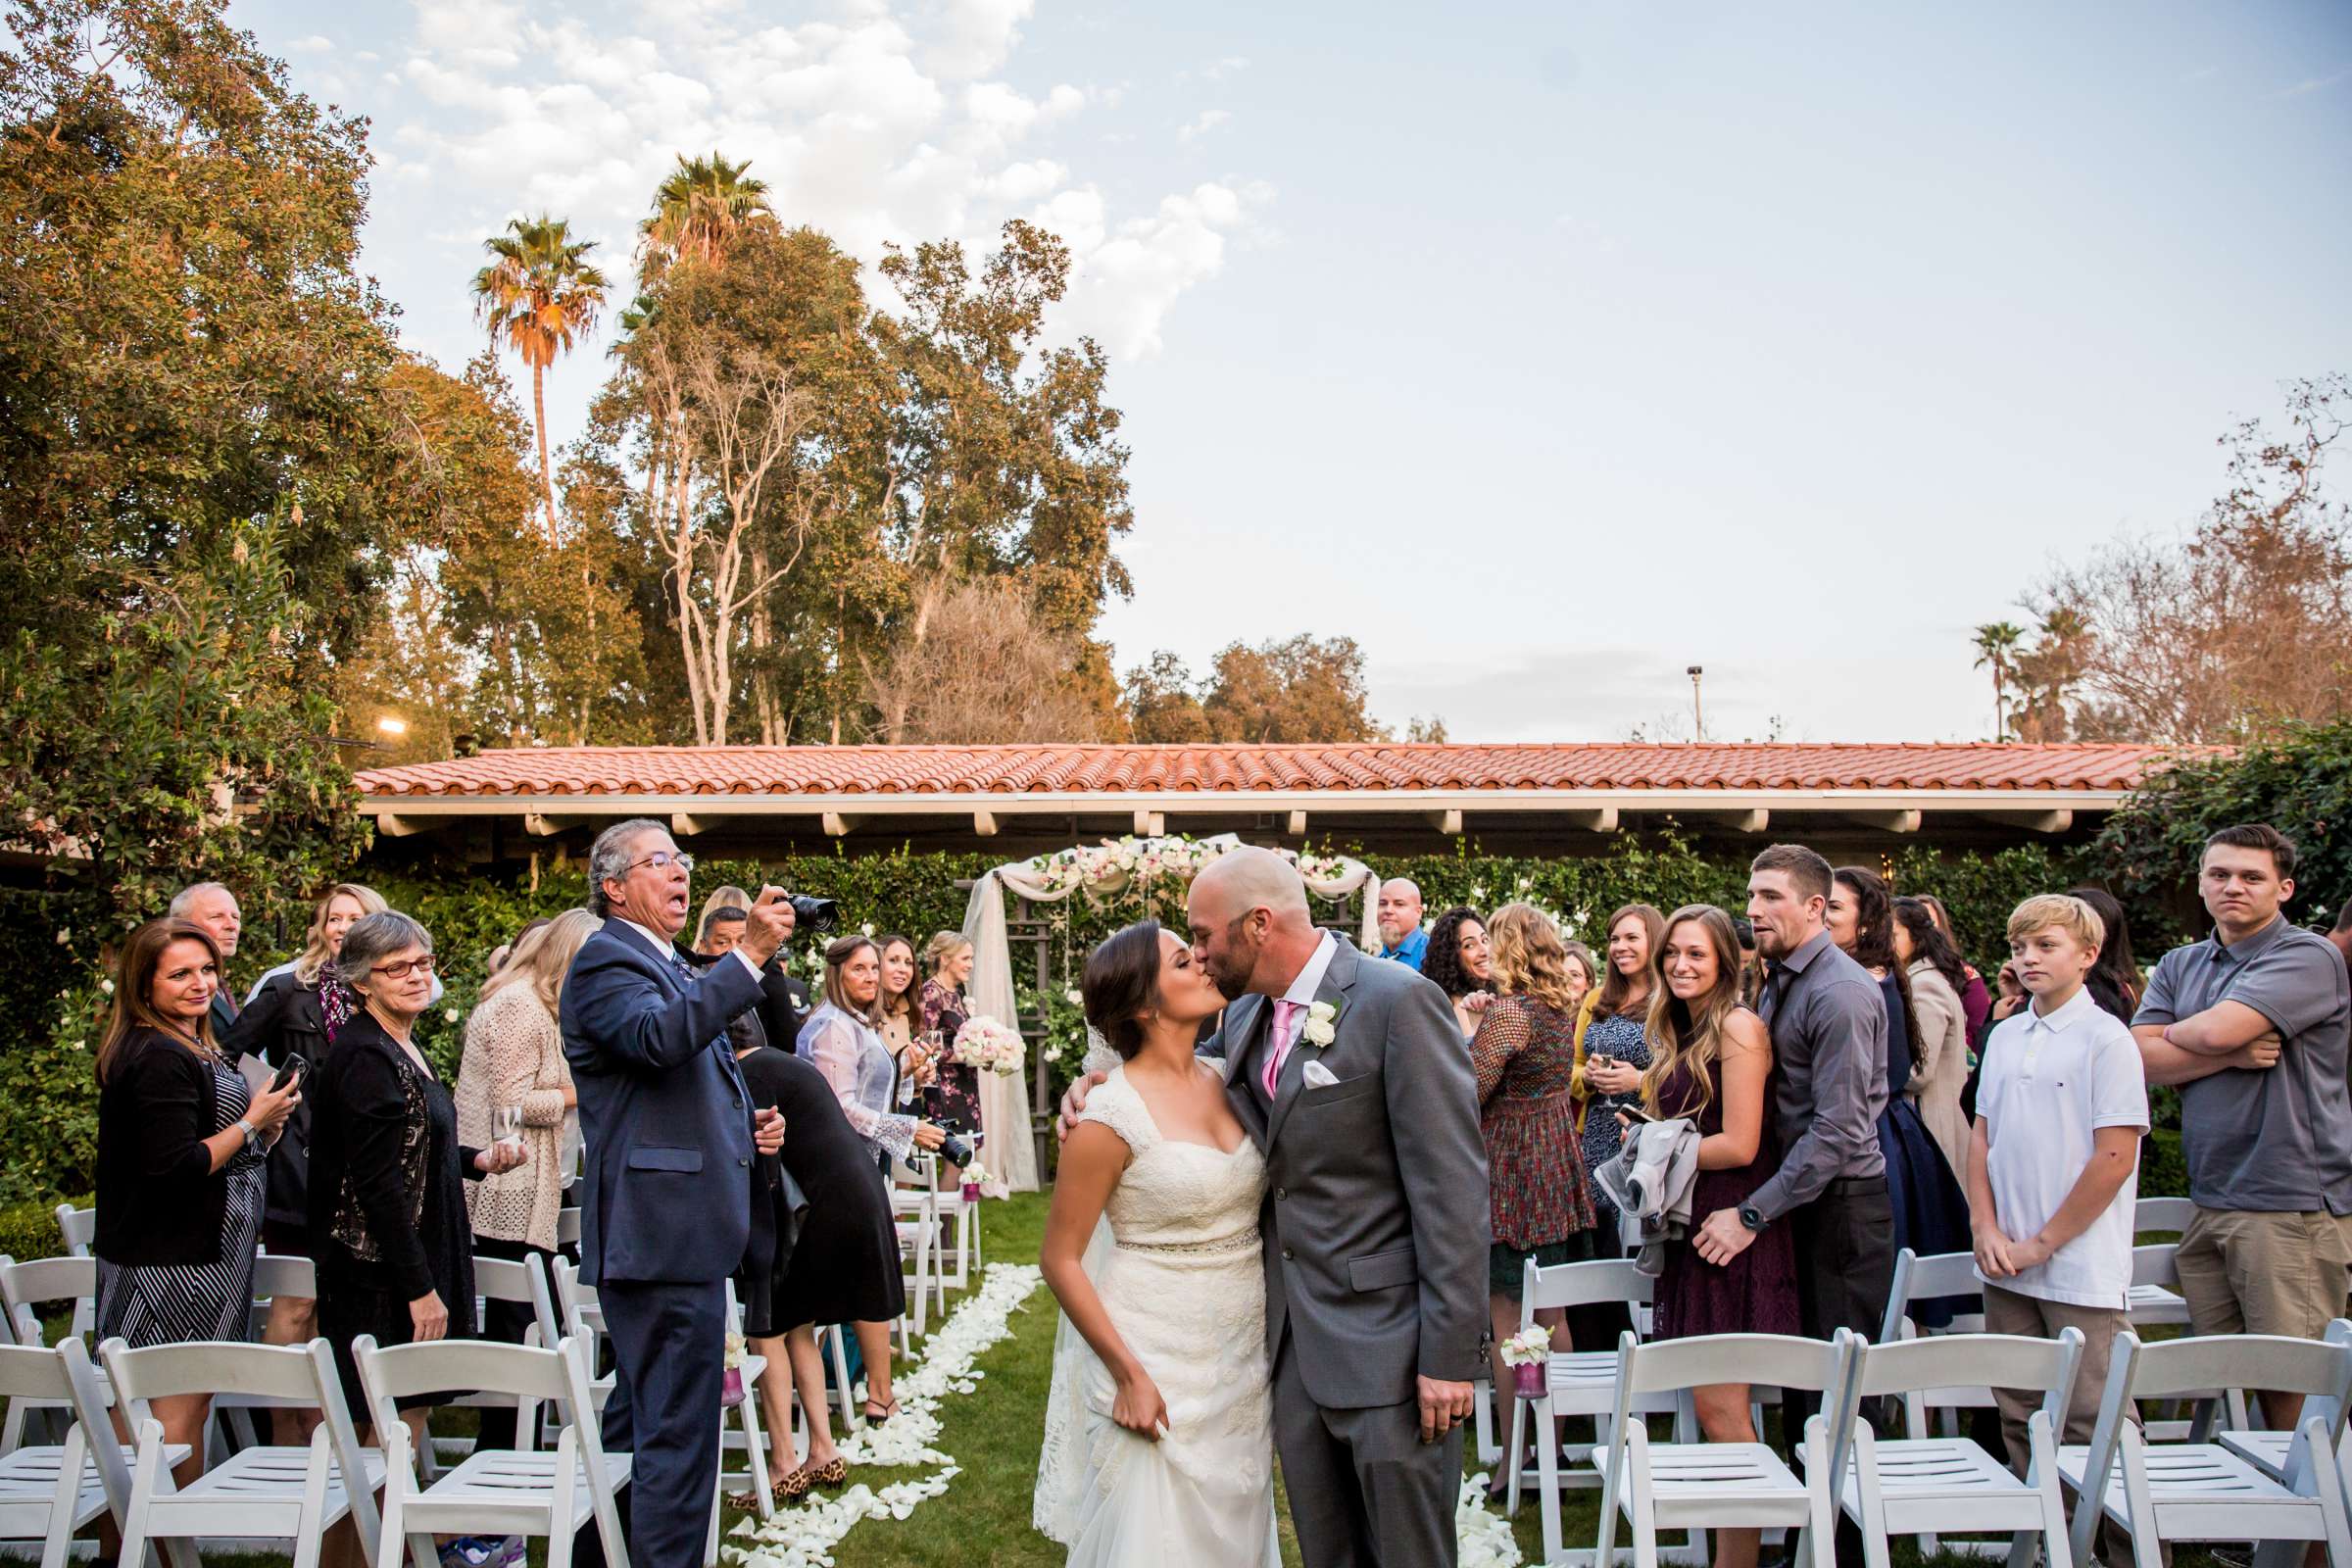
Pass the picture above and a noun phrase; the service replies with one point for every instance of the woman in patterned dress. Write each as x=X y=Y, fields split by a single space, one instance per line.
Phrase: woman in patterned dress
x=953 y=1099
x=394 y=1247
x=1524 y=1054
x=182 y=1152
x=1611 y=1052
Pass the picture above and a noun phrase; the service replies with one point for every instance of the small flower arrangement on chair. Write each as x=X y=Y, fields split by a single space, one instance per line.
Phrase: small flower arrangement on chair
x=1526 y=1354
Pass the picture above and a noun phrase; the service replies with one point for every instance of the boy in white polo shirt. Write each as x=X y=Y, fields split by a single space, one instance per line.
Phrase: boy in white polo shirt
x=2053 y=1171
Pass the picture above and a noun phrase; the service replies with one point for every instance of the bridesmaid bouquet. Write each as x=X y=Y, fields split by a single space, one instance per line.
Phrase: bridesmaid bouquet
x=987 y=1044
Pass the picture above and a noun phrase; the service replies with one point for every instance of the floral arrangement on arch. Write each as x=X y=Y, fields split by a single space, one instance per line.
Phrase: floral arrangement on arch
x=1104 y=871
x=989 y=1046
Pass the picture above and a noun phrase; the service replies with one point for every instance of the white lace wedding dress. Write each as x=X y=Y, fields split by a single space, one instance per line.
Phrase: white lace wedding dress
x=1184 y=1284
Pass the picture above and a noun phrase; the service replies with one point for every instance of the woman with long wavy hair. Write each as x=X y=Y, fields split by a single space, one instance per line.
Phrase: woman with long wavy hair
x=1541 y=1198
x=1460 y=961
x=1710 y=1060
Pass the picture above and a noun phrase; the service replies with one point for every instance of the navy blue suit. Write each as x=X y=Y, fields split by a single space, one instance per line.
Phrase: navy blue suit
x=664 y=1213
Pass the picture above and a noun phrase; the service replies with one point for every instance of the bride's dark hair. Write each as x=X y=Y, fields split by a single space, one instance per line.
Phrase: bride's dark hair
x=1121 y=984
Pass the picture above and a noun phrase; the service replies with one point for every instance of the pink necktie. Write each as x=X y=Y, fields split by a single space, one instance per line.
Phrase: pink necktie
x=1286 y=1013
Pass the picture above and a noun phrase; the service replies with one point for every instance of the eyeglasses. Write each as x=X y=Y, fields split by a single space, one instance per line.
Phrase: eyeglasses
x=662 y=860
x=402 y=969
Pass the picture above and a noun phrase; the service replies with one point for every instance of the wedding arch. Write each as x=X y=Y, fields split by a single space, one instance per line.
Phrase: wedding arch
x=1098 y=873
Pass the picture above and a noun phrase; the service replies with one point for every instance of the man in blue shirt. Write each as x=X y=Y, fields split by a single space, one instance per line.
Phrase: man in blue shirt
x=1400 y=916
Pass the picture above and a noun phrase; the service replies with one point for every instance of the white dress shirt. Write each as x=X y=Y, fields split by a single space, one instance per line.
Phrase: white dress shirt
x=668 y=949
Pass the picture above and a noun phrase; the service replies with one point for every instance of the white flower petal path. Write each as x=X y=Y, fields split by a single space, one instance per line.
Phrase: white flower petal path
x=803 y=1537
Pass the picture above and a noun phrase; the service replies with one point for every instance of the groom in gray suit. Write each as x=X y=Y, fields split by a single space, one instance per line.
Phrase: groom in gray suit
x=1352 y=1079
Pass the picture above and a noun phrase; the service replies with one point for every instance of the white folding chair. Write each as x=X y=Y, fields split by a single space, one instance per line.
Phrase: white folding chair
x=521 y=1283
x=1920 y=1486
x=1719 y=1486
x=279 y=1493
x=496 y=1492
x=50 y=1491
x=1938 y=1275
x=957 y=1218
x=918 y=1247
x=583 y=1318
x=79 y=1228
x=1577 y=1384
x=746 y=1434
x=568 y=1228
x=2272 y=1451
x=2192 y=1491
x=26 y=1285
x=274 y=1274
x=2154 y=1300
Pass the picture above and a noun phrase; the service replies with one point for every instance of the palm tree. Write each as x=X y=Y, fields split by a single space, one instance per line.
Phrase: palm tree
x=1996 y=646
x=701 y=201
x=538 y=294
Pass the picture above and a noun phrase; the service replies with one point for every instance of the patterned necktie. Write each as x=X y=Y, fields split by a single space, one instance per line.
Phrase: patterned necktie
x=1286 y=1013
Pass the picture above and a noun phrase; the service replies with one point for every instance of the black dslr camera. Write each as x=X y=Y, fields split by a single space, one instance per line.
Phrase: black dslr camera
x=819 y=917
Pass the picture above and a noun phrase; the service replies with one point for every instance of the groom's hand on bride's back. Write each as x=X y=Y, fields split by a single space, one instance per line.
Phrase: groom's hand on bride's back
x=1073 y=1101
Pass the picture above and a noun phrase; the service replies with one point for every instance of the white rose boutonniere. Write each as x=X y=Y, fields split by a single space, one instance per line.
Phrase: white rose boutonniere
x=1321 y=1024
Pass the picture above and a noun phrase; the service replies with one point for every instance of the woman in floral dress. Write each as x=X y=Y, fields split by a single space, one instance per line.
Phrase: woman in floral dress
x=953 y=1098
x=1524 y=1054
x=1611 y=1052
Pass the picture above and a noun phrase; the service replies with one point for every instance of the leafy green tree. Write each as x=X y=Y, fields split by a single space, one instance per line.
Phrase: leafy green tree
x=539 y=294
x=186 y=343
x=1296 y=689
x=2298 y=781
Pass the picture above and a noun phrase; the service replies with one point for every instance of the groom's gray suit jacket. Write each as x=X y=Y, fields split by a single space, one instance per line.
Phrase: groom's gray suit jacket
x=1376 y=1211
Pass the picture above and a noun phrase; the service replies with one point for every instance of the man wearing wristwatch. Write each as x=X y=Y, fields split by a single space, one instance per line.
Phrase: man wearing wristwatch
x=1828 y=1051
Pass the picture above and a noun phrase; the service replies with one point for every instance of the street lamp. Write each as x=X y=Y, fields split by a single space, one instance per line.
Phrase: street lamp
x=1698 y=728
x=391 y=725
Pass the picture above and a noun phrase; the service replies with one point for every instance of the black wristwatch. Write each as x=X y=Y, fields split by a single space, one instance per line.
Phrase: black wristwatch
x=1751 y=1217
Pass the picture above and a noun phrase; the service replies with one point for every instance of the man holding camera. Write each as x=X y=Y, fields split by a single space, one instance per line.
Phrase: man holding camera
x=669 y=1133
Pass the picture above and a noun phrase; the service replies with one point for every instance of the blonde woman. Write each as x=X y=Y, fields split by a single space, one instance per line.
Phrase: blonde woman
x=1711 y=1061
x=513 y=1055
x=1523 y=1056
x=953 y=1098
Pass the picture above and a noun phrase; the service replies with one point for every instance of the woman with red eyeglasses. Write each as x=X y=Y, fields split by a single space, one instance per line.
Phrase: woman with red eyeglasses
x=389 y=1231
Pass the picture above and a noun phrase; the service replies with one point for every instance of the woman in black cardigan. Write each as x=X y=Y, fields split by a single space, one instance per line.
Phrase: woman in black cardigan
x=182 y=1142
x=388 y=1225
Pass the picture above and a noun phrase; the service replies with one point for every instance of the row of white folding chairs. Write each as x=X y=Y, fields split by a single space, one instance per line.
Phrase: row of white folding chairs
x=2264 y=1486
x=297 y=1494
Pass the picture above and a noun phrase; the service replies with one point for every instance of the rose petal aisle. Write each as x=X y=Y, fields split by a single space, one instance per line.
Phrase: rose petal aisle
x=803 y=1536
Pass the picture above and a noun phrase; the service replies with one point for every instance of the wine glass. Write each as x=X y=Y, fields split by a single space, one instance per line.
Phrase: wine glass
x=506 y=1123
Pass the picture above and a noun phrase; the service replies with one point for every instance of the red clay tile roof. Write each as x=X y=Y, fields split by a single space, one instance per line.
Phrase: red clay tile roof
x=899 y=770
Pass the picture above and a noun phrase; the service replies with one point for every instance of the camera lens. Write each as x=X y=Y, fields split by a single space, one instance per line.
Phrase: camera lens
x=817 y=915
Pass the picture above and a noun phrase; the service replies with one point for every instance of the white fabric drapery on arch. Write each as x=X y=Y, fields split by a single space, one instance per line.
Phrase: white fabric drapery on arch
x=1101 y=874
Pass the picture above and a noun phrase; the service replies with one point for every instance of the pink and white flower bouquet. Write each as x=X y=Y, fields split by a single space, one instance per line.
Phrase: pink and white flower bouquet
x=988 y=1045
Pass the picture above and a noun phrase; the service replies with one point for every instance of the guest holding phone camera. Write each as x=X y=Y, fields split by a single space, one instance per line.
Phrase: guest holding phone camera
x=182 y=1145
x=394 y=1247
x=1612 y=1050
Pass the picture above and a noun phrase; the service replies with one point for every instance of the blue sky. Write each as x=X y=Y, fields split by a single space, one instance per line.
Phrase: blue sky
x=1544 y=349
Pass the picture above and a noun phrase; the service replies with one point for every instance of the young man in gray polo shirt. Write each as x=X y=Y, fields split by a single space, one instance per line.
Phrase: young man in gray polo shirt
x=2252 y=1023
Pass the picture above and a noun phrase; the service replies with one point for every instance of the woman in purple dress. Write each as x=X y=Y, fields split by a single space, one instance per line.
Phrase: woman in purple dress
x=1710 y=1060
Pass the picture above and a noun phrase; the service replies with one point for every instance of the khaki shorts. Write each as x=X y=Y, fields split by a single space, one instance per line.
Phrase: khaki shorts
x=2252 y=1272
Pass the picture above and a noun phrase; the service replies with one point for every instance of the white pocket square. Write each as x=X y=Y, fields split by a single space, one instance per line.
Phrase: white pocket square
x=1318 y=1076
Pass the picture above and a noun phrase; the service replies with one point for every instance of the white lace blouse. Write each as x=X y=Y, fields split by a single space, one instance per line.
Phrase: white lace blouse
x=856 y=1062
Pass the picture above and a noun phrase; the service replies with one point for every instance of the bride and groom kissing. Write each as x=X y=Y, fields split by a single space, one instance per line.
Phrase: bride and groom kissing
x=1274 y=1243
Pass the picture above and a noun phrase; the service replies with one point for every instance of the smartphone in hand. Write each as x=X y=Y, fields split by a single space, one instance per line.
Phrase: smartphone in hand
x=294 y=1071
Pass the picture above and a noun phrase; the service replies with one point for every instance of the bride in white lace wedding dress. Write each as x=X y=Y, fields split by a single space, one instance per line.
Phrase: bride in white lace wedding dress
x=1159 y=1445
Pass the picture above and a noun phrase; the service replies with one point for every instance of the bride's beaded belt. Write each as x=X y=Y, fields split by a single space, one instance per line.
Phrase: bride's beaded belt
x=1239 y=1242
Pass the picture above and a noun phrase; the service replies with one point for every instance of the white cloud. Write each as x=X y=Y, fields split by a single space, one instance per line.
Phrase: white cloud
x=1226 y=66
x=887 y=120
x=315 y=44
x=1203 y=123
x=2312 y=84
